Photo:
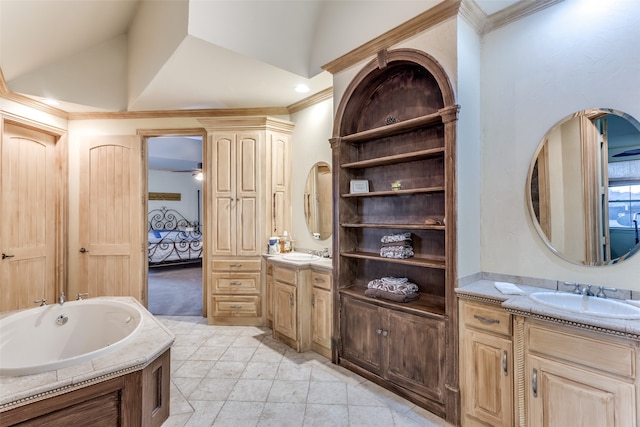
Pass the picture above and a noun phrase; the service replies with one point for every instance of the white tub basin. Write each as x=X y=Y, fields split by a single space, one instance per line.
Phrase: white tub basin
x=300 y=256
x=600 y=307
x=40 y=339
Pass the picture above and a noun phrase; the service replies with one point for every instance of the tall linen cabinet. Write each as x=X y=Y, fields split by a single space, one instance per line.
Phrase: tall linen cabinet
x=248 y=199
x=395 y=129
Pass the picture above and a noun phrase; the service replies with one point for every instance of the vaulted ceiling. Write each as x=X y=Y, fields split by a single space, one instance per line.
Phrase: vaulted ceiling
x=147 y=55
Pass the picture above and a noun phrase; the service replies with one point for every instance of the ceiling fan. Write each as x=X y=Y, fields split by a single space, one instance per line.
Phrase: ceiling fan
x=197 y=172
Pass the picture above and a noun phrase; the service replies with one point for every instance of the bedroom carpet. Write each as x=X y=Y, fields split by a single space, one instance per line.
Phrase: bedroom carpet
x=175 y=291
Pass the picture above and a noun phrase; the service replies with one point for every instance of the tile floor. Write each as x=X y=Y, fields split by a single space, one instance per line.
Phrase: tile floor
x=240 y=376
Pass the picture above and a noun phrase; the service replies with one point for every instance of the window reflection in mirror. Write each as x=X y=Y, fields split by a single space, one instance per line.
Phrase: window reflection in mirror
x=317 y=201
x=584 y=187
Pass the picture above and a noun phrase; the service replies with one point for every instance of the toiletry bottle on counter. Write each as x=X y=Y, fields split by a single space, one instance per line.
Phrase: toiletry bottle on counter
x=286 y=242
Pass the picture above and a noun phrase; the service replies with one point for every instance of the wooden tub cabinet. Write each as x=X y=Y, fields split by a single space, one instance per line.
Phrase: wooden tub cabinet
x=136 y=399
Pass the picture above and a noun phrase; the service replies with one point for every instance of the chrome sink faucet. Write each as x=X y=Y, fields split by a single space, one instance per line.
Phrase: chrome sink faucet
x=586 y=290
x=62 y=298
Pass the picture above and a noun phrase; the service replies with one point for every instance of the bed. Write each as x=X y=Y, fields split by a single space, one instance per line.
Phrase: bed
x=173 y=239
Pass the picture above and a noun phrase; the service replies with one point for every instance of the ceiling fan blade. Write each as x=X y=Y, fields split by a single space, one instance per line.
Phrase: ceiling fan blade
x=633 y=152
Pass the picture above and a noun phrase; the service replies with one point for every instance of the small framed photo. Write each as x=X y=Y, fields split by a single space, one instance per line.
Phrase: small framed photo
x=359 y=186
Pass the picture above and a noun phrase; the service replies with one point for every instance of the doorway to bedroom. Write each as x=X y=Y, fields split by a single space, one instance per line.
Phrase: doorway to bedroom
x=174 y=223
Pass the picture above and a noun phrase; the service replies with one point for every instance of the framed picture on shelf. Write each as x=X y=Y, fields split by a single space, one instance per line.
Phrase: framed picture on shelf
x=359 y=186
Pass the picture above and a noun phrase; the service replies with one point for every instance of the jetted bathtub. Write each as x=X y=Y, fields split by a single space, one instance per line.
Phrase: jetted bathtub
x=56 y=336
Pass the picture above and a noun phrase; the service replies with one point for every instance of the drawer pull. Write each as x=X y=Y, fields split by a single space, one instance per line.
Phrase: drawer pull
x=486 y=319
x=235 y=265
x=235 y=283
x=504 y=363
x=313 y=300
x=291 y=299
x=379 y=331
x=319 y=279
x=534 y=382
x=235 y=306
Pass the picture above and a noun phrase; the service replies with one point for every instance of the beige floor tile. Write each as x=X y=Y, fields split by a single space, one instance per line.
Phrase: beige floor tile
x=276 y=414
x=326 y=416
x=367 y=416
x=289 y=391
x=251 y=391
x=327 y=392
x=238 y=414
x=224 y=369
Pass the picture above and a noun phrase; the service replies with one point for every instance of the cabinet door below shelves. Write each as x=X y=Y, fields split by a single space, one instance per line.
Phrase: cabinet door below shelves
x=285 y=311
x=415 y=359
x=570 y=396
x=361 y=334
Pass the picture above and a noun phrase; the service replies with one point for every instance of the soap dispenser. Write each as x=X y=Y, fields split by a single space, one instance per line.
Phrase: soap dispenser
x=287 y=242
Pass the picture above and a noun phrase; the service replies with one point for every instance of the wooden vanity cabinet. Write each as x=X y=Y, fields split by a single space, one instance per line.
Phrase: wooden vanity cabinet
x=292 y=306
x=486 y=365
x=578 y=378
x=301 y=305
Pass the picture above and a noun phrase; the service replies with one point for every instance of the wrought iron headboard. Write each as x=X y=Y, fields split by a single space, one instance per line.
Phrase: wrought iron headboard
x=170 y=219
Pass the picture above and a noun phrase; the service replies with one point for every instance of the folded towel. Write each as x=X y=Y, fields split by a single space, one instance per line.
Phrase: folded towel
x=509 y=288
x=379 y=293
x=394 y=280
x=391 y=238
x=399 y=252
x=404 y=288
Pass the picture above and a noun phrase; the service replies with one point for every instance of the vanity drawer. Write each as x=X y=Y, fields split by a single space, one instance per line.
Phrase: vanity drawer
x=284 y=274
x=235 y=306
x=237 y=265
x=604 y=355
x=486 y=318
x=320 y=279
x=240 y=283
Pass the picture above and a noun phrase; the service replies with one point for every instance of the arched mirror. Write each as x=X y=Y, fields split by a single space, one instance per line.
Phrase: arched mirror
x=317 y=201
x=584 y=187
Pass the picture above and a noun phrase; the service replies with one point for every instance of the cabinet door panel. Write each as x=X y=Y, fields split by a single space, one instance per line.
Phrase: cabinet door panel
x=321 y=312
x=361 y=341
x=488 y=394
x=569 y=396
x=416 y=353
x=284 y=312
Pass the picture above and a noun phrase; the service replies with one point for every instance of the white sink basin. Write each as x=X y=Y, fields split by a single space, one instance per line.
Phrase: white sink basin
x=587 y=305
x=300 y=256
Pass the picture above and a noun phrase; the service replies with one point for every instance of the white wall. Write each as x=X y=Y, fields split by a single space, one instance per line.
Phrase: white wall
x=576 y=55
x=172 y=182
x=310 y=145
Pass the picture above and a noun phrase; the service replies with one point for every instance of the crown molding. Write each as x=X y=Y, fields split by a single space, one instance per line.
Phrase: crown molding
x=431 y=17
x=516 y=11
x=474 y=15
x=312 y=100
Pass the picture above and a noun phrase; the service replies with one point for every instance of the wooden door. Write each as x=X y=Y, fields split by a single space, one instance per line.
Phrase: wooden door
x=285 y=310
x=486 y=370
x=560 y=395
x=415 y=359
x=249 y=239
x=111 y=212
x=321 y=316
x=28 y=212
x=362 y=327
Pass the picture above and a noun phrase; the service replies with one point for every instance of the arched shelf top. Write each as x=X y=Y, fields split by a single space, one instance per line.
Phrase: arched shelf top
x=397 y=86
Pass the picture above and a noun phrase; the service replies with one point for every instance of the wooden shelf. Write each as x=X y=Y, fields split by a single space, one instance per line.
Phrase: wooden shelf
x=394 y=226
x=427 y=305
x=397 y=158
x=395 y=128
x=396 y=193
x=431 y=262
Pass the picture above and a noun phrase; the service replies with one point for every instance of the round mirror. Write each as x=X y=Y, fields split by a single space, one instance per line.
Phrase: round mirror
x=584 y=187
x=317 y=201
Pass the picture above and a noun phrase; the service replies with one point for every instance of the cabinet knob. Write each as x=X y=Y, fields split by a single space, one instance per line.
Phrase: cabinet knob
x=385 y=333
x=378 y=331
x=83 y=250
x=313 y=300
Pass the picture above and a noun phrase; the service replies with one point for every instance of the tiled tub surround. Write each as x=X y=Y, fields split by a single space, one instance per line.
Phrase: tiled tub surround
x=152 y=340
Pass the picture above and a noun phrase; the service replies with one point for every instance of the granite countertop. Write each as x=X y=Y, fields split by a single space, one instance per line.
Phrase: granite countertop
x=522 y=305
x=323 y=263
x=152 y=340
